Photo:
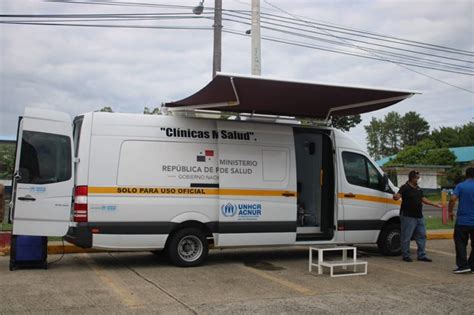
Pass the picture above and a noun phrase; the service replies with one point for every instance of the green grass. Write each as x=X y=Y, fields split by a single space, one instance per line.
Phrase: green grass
x=437 y=224
x=5 y=227
x=436 y=198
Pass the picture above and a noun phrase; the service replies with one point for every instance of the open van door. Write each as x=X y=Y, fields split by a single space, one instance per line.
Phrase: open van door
x=43 y=179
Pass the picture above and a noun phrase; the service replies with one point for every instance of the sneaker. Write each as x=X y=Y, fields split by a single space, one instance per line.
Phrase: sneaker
x=426 y=259
x=462 y=270
x=407 y=259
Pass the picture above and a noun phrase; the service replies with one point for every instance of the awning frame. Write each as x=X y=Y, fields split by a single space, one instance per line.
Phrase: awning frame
x=384 y=100
x=210 y=105
x=228 y=105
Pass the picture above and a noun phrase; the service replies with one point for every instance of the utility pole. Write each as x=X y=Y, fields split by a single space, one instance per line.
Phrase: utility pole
x=255 y=34
x=217 y=55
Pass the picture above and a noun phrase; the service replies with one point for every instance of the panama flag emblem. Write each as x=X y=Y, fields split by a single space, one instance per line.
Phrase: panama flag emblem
x=205 y=155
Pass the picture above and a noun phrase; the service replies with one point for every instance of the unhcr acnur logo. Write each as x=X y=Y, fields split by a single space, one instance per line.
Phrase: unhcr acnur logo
x=229 y=210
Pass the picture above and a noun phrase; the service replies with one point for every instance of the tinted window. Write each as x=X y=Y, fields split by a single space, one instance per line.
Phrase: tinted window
x=77 y=133
x=45 y=158
x=375 y=179
x=360 y=171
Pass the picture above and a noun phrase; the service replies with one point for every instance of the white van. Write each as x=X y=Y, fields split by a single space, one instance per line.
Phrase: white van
x=150 y=182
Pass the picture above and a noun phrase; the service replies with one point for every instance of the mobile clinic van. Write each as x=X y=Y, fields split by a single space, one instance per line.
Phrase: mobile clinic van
x=151 y=182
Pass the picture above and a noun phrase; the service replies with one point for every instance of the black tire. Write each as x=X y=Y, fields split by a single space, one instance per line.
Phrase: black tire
x=187 y=247
x=389 y=242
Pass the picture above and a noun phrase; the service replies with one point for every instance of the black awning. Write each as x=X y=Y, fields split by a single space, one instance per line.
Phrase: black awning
x=260 y=95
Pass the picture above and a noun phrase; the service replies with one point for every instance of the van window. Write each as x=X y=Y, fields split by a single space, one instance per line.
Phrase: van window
x=360 y=171
x=45 y=158
x=77 y=133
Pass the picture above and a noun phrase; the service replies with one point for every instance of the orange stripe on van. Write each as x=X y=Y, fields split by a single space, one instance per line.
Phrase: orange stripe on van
x=370 y=198
x=188 y=191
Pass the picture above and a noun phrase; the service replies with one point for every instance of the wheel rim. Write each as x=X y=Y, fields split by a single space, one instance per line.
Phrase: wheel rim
x=190 y=248
x=394 y=241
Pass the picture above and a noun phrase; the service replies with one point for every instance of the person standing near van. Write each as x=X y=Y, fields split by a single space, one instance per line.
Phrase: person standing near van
x=411 y=217
x=464 y=228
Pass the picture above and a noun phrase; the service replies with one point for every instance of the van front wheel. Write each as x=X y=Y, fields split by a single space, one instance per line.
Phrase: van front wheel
x=188 y=247
x=389 y=242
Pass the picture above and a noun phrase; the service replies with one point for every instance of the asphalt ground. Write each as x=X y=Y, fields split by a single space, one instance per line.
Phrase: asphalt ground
x=256 y=280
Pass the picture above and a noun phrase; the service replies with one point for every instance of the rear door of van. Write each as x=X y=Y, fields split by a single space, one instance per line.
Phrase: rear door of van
x=43 y=179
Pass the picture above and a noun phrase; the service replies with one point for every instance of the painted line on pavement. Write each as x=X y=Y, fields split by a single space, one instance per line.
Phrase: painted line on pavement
x=397 y=269
x=288 y=284
x=440 y=252
x=126 y=297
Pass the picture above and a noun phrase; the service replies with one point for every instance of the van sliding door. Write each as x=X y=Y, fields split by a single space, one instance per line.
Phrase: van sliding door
x=315 y=182
x=257 y=185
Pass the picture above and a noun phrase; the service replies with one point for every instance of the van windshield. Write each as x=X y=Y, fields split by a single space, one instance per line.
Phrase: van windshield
x=45 y=158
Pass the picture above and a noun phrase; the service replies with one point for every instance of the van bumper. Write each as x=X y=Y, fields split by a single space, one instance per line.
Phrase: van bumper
x=80 y=235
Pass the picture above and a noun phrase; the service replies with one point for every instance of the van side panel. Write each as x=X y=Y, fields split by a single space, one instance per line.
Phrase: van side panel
x=257 y=180
x=365 y=205
x=147 y=174
x=143 y=178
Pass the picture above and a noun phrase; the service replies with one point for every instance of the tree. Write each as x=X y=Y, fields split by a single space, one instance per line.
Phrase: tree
x=374 y=138
x=345 y=123
x=154 y=111
x=452 y=177
x=424 y=153
x=106 y=109
x=449 y=137
x=383 y=135
x=413 y=129
x=391 y=134
x=7 y=158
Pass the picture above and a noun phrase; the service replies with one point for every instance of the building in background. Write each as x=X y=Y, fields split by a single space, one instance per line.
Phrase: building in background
x=432 y=176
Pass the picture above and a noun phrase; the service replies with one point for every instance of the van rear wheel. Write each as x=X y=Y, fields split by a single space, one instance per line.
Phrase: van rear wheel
x=389 y=242
x=188 y=247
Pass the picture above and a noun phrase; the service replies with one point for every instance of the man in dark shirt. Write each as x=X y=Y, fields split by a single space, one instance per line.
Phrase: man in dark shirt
x=411 y=217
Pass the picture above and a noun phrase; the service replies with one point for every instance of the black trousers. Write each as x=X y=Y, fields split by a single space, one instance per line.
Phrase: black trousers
x=461 y=238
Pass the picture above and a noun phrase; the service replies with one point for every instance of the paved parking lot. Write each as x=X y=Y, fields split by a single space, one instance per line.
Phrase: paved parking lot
x=263 y=280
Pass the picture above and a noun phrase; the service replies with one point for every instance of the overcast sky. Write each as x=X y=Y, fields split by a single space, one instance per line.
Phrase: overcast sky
x=79 y=70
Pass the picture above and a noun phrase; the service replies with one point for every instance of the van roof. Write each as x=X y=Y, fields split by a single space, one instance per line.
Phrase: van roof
x=273 y=96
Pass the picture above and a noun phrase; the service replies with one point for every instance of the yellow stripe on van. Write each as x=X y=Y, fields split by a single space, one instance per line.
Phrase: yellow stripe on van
x=369 y=198
x=188 y=191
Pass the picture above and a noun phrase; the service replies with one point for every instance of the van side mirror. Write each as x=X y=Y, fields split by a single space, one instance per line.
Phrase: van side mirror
x=17 y=175
x=385 y=184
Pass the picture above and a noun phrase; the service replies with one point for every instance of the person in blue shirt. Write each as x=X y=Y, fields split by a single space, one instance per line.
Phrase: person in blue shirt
x=464 y=228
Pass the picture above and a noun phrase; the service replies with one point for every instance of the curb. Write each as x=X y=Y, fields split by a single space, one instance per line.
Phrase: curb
x=55 y=248
x=443 y=235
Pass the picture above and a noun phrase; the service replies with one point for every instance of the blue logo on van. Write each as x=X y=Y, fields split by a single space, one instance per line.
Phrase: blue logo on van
x=229 y=210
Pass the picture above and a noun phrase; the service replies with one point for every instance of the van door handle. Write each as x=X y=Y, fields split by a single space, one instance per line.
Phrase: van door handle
x=27 y=198
x=288 y=194
x=349 y=195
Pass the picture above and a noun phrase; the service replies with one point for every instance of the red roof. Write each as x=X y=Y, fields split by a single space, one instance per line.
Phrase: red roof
x=260 y=95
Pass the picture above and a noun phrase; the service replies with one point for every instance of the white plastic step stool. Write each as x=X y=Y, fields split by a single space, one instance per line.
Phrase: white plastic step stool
x=344 y=262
